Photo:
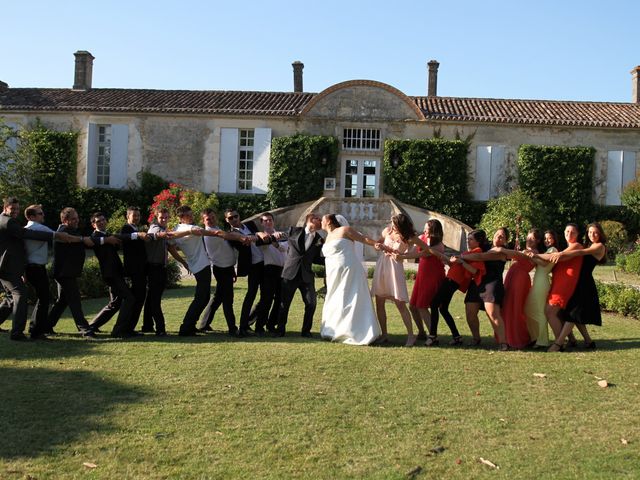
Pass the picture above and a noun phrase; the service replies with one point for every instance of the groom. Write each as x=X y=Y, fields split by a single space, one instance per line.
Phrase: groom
x=305 y=248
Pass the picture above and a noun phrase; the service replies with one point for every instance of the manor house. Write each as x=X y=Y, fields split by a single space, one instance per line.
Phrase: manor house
x=219 y=141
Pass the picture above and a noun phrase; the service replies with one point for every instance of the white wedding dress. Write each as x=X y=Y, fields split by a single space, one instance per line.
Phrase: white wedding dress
x=348 y=314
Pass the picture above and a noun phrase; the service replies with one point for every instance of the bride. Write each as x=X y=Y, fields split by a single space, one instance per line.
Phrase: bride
x=347 y=315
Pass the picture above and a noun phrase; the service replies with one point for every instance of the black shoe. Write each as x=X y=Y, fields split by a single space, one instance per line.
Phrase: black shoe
x=242 y=333
x=205 y=329
x=39 y=336
x=147 y=330
x=306 y=334
x=188 y=333
x=260 y=332
x=133 y=333
x=161 y=334
x=233 y=332
x=95 y=329
x=50 y=331
x=88 y=334
x=19 y=337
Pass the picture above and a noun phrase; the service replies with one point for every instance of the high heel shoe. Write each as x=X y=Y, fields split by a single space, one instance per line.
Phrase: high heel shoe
x=556 y=347
x=411 y=341
x=432 y=341
x=456 y=341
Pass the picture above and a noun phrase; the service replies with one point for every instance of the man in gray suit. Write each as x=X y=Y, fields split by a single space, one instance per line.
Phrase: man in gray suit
x=13 y=262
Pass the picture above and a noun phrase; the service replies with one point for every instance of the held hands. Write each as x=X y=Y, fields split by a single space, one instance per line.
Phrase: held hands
x=555 y=257
x=88 y=242
x=111 y=240
x=455 y=259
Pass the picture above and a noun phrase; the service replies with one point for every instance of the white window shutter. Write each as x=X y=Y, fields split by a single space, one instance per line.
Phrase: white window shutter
x=119 y=156
x=628 y=168
x=261 y=159
x=614 y=177
x=482 y=185
x=228 y=177
x=92 y=154
x=497 y=169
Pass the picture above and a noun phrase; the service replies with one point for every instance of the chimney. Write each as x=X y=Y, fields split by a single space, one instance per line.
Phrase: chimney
x=432 y=87
x=84 y=70
x=297 y=75
x=3 y=87
x=635 y=85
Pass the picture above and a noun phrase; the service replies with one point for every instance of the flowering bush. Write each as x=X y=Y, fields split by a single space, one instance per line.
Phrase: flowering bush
x=176 y=195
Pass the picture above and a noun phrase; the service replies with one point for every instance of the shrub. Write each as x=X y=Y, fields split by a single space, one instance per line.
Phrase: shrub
x=430 y=174
x=173 y=274
x=90 y=200
x=616 y=297
x=246 y=204
x=297 y=170
x=516 y=209
x=560 y=178
x=630 y=196
x=630 y=262
x=617 y=239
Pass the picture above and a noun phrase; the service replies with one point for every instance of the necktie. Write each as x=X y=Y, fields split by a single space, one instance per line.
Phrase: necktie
x=309 y=240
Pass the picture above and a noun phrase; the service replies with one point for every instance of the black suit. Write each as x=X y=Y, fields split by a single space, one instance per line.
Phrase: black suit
x=12 y=265
x=298 y=275
x=135 y=267
x=68 y=261
x=121 y=298
x=253 y=271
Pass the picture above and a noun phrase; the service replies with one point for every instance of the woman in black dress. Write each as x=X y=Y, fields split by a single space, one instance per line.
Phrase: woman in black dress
x=583 y=307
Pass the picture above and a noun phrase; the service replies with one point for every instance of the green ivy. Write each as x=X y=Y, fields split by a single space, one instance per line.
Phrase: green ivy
x=430 y=174
x=561 y=178
x=297 y=172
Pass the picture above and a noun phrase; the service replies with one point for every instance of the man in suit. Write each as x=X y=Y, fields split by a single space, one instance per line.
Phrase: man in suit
x=68 y=261
x=120 y=297
x=13 y=262
x=135 y=265
x=250 y=263
x=305 y=248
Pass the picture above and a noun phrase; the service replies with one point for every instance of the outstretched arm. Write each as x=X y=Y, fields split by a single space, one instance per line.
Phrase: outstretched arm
x=495 y=253
x=598 y=250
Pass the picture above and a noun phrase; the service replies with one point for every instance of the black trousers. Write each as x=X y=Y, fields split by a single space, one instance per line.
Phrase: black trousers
x=255 y=282
x=440 y=304
x=308 y=292
x=68 y=296
x=139 y=291
x=18 y=291
x=37 y=277
x=6 y=306
x=121 y=301
x=223 y=296
x=265 y=313
x=157 y=282
x=199 y=302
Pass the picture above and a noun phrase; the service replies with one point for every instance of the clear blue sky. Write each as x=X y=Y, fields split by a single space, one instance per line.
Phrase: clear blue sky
x=544 y=49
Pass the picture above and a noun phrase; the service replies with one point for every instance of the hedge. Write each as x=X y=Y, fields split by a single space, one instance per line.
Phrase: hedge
x=430 y=174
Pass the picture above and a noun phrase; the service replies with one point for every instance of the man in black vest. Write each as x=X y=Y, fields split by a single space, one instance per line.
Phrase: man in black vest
x=135 y=265
x=13 y=262
x=305 y=248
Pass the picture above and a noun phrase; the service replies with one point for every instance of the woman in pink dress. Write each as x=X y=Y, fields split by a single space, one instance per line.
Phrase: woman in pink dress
x=429 y=278
x=389 y=280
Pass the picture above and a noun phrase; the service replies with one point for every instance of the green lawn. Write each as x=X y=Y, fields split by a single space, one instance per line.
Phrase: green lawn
x=217 y=407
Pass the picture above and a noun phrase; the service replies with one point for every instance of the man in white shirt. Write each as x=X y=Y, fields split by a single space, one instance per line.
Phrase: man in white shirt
x=187 y=237
x=222 y=257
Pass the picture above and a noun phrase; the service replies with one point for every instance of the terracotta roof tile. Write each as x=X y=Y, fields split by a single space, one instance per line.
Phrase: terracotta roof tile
x=154 y=101
x=531 y=112
x=455 y=109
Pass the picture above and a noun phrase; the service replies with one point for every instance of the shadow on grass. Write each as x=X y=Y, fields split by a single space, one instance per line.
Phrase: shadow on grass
x=43 y=408
x=61 y=346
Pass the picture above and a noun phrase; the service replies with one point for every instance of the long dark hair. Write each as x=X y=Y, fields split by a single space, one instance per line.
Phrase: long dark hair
x=435 y=231
x=603 y=239
x=554 y=235
x=404 y=226
x=333 y=221
x=539 y=236
x=480 y=236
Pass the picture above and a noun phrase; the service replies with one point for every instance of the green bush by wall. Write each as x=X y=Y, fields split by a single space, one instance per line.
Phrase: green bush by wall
x=430 y=174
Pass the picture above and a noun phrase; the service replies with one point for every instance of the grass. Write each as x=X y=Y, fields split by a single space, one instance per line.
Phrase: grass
x=217 y=407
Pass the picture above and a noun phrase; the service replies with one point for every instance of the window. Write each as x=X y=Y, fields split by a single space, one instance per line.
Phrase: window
x=365 y=139
x=245 y=161
x=489 y=171
x=107 y=155
x=621 y=169
x=103 y=163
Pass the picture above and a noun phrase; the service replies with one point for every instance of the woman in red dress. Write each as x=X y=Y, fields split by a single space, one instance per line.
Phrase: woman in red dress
x=564 y=279
x=429 y=278
x=517 y=284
